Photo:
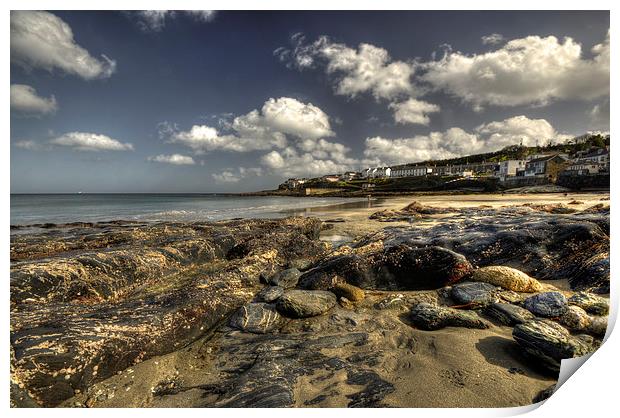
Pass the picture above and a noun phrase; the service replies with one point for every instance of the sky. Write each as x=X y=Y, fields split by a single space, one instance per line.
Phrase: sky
x=217 y=101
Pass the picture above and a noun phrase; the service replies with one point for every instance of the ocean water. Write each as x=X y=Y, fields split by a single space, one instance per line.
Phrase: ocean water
x=29 y=209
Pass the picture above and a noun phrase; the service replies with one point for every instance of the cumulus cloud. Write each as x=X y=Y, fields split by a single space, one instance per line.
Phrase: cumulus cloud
x=174 y=159
x=456 y=142
x=493 y=39
x=155 y=20
x=27 y=144
x=259 y=129
x=531 y=70
x=291 y=163
x=366 y=69
x=85 y=141
x=43 y=40
x=25 y=100
x=413 y=111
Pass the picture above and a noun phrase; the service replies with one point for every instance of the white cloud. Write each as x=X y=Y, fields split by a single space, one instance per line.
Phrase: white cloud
x=493 y=39
x=456 y=142
x=258 y=130
x=24 y=99
x=175 y=159
x=531 y=70
x=84 y=141
x=290 y=163
x=367 y=69
x=413 y=111
x=42 y=40
x=155 y=20
x=232 y=176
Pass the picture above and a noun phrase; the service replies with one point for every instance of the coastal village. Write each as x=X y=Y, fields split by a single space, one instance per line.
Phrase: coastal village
x=584 y=160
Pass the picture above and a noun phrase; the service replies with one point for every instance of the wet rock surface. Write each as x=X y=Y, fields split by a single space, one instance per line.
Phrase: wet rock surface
x=177 y=314
x=429 y=317
x=547 y=304
x=305 y=303
x=549 y=343
x=473 y=294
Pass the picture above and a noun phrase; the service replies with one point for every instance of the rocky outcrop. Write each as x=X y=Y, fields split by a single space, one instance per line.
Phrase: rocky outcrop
x=79 y=317
x=549 y=342
x=430 y=317
x=269 y=294
x=305 y=303
x=409 y=213
x=590 y=303
x=508 y=278
x=399 y=267
x=258 y=318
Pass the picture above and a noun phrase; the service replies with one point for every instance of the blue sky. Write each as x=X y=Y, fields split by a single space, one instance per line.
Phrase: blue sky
x=240 y=101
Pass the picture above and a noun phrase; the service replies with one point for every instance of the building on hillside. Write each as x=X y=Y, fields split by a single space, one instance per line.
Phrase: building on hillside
x=377 y=172
x=509 y=168
x=599 y=156
x=548 y=166
x=582 y=169
x=409 y=170
x=350 y=175
x=331 y=178
x=294 y=183
x=467 y=170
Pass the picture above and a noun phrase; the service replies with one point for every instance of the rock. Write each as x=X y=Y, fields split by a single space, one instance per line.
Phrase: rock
x=548 y=304
x=590 y=303
x=575 y=318
x=300 y=263
x=423 y=268
x=544 y=394
x=348 y=291
x=476 y=294
x=305 y=303
x=508 y=278
x=508 y=314
x=258 y=318
x=598 y=326
x=548 y=342
x=269 y=294
x=286 y=278
x=429 y=317
x=399 y=267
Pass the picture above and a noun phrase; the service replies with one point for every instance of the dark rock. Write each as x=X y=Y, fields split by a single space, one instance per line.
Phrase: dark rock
x=375 y=389
x=269 y=294
x=475 y=294
x=305 y=303
x=598 y=326
x=429 y=317
x=286 y=278
x=548 y=342
x=399 y=267
x=575 y=318
x=544 y=394
x=593 y=304
x=508 y=314
x=259 y=318
x=548 y=304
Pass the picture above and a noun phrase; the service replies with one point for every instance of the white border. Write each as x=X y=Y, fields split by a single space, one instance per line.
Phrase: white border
x=591 y=392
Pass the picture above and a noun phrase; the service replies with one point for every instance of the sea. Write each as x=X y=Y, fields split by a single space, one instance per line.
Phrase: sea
x=28 y=209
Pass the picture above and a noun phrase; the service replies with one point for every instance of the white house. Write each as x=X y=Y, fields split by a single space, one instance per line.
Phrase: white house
x=509 y=168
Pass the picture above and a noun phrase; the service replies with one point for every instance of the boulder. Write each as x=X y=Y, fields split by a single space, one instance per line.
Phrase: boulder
x=476 y=294
x=305 y=303
x=575 y=318
x=508 y=278
x=591 y=303
x=269 y=294
x=286 y=278
x=598 y=326
x=431 y=317
x=257 y=318
x=548 y=342
x=547 y=304
x=348 y=291
x=508 y=314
